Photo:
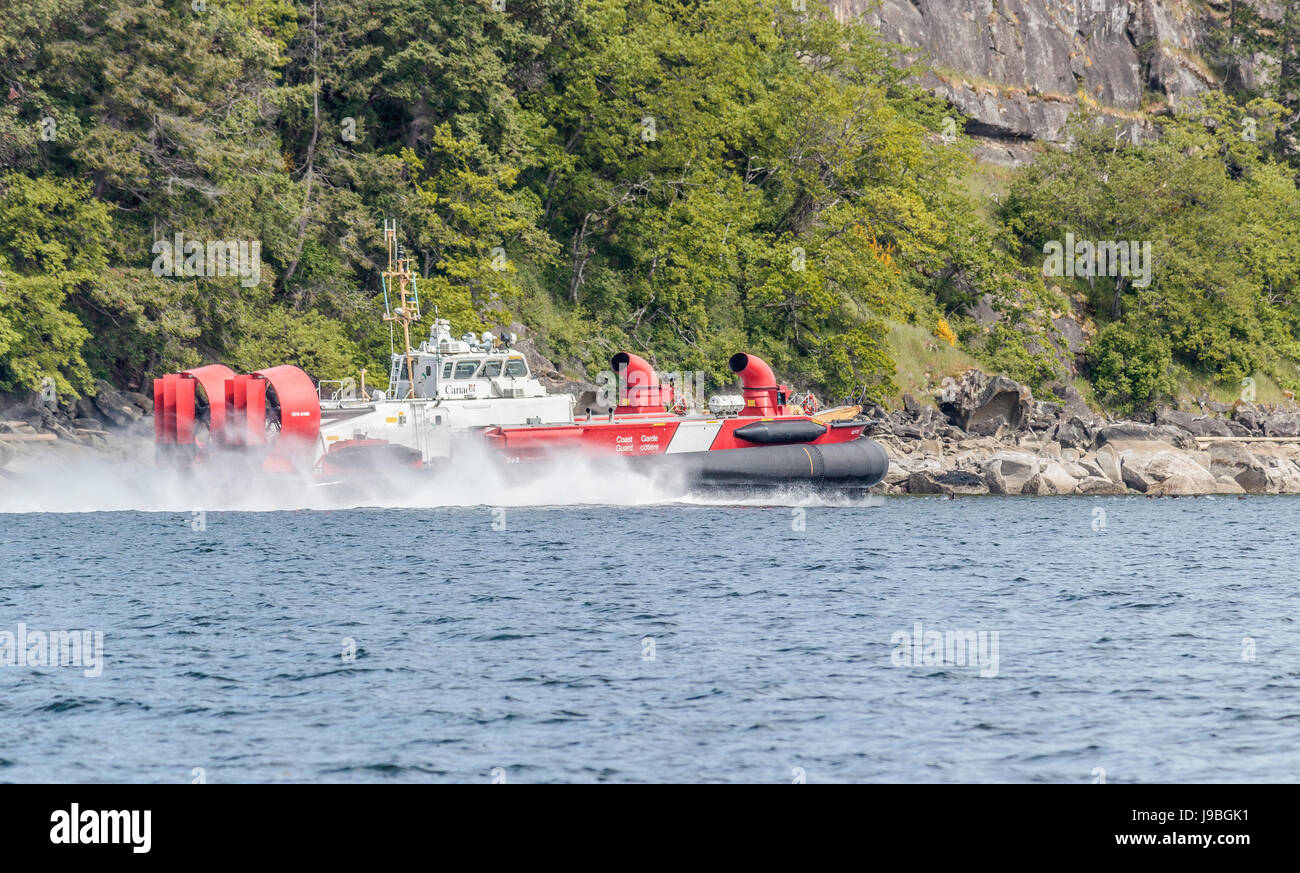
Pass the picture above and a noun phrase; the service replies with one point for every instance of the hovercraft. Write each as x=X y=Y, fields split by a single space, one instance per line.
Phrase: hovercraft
x=477 y=395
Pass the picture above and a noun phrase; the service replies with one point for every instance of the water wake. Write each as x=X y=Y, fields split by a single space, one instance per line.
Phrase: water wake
x=72 y=481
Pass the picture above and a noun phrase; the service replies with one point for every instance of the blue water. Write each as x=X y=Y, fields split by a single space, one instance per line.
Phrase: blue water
x=1122 y=649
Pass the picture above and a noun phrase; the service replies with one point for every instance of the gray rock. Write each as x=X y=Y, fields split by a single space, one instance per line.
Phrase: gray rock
x=912 y=407
x=977 y=402
x=1057 y=479
x=1236 y=462
x=953 y=482
x=1249 y=418
x=1125 y=432
x=994 y=480
x=144 y=402
x=1282 y=424
x=988 y=427
x=1076 y=433
x=1014 y=469
x=1134 y=477
x=1093 y=468
x=114 y=406
x=1100 y=485
x=1199 y=425
x=1035 y=486
x=1122 y=50
x=1109 y=461
x=1228 y=485
x=84 y=407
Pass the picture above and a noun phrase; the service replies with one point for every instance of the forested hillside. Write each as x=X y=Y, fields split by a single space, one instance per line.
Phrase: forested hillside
x=682 y=178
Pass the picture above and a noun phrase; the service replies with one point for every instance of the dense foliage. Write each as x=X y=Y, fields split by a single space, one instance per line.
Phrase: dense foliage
x=1222 y=216
x=685 y=178
x=681 y=178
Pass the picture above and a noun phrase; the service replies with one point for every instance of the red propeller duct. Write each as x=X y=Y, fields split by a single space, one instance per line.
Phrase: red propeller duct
x=276 y=409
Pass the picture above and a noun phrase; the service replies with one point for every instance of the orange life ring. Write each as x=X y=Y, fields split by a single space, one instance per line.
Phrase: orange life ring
x=810 y=404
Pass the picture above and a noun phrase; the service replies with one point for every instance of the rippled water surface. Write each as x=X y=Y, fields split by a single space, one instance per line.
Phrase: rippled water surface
x=688 y=641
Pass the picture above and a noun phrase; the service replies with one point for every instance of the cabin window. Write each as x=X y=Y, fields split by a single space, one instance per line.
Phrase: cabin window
x=428 y=371
x=517 y=368
x=492 y=369
x=446 y=369
x=466 y=369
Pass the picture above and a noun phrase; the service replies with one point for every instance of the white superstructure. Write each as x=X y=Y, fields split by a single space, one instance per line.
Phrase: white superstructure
x=459 y=384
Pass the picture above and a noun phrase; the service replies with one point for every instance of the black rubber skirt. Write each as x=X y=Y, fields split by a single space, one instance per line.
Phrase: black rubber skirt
x=860 y=463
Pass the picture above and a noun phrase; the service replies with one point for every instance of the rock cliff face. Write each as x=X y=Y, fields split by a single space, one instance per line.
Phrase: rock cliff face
x=1018 y=68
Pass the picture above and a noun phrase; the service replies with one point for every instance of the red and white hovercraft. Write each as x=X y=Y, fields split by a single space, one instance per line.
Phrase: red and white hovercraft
x=756 y=438
x=478 y=396
x=273 y=420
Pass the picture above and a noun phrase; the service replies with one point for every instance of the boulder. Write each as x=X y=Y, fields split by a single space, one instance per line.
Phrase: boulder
x=977 y=402
x=1236 y=462
x=1125 y=433
x=1100 y=485
x=1182 y=486
x=1248 y=417
x=951 y=483
x=994 y=480
x=1134 y=476
x=114 y=405
x=990 y=427
x=1108 y=460
x=1057 y=478
x=84 y=407
x=1149 y=472
x=1076 y=470
x=1198 y=425
x=1014 y=469
x=1282 y=424
x=1092 y=468
x=1228 y=485
x=144 y=402
x=1035 y=486
x=1073 y=433
x=1072 y=403
x=930 y=447
x=901 y=469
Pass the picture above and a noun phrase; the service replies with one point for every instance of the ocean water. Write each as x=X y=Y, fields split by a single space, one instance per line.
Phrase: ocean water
x=696 y=639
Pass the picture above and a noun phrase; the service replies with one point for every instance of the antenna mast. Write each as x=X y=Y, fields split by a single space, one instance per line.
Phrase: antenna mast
x=406 y=295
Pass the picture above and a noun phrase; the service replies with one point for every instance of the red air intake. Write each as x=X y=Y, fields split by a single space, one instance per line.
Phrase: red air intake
x=639 y=390
x=758 y=383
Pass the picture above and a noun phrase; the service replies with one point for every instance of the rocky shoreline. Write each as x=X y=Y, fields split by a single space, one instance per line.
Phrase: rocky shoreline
x=988 y=435
x=981 y=435
x=113 y=425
